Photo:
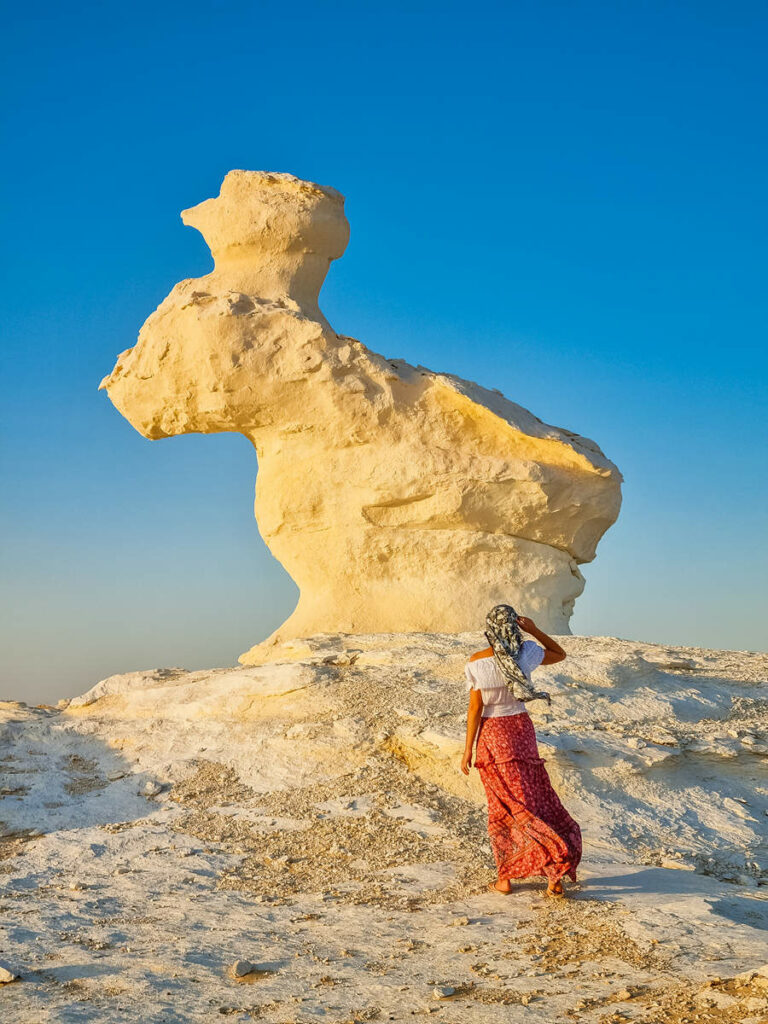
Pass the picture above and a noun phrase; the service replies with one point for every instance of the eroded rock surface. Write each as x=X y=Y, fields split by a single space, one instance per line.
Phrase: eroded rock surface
x=309 y=816
x=398 y=499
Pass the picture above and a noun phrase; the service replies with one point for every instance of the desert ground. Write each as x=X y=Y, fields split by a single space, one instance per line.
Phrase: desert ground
x=294 y=842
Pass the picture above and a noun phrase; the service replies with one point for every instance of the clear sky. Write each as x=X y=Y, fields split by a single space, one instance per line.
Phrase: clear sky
x=564 y=201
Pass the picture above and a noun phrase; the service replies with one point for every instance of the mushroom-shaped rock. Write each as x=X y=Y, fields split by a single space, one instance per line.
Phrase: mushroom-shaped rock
x=397 y=498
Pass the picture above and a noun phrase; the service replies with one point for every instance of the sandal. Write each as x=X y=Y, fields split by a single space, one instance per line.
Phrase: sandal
x=502 y=892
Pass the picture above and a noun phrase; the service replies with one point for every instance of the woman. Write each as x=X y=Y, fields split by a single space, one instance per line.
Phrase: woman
x=531 y=832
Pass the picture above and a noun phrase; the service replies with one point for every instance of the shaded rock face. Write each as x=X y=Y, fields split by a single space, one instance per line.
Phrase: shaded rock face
x=398 y=499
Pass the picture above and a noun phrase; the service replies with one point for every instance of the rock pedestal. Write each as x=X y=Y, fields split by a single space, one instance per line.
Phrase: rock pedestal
x=397 y=498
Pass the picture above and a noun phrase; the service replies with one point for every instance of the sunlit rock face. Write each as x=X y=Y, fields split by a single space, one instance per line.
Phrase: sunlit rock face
x=397 y=498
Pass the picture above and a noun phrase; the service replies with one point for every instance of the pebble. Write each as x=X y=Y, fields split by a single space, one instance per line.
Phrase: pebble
x=150 y=788
x=457 y=922
x=240 y=968
x=442 y=992
x=114 y=776
x=6 y=975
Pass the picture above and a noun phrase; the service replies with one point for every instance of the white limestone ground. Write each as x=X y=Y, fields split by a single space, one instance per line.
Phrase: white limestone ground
x=308 y=816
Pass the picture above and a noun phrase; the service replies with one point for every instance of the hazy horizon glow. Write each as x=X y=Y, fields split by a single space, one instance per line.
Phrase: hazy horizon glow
x=565 y=203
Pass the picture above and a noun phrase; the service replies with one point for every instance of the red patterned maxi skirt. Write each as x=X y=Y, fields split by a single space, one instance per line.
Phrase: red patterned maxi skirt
x=531 y=832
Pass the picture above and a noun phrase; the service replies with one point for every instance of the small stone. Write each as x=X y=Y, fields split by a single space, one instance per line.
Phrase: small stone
x=458 y=922
x=6 y=974
x=240 y=968
x=114 y=776
x=442 y=992
x=150 y=788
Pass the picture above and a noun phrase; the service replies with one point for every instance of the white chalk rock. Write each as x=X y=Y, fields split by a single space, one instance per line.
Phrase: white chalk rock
x=240 y=968
x=397 y=498
x=6 y=974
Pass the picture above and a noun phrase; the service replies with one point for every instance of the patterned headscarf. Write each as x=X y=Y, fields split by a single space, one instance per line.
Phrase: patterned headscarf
x=504 y=636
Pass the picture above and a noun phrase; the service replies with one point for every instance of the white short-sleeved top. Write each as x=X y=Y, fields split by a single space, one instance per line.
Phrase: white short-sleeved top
x=484 y=674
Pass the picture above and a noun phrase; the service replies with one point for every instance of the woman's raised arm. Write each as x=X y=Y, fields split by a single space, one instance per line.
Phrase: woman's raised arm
x=553 y=652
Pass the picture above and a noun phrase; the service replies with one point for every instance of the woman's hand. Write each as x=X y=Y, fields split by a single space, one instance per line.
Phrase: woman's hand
x=466 y=761
x=526 y=624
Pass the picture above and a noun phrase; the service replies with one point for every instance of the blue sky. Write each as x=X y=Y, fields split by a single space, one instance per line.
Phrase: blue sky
x=564 y=201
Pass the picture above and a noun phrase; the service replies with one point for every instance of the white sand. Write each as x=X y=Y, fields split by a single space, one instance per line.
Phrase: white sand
x=312 y=820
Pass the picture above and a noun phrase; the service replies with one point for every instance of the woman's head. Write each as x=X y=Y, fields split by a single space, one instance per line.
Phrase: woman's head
x=501 y=621
x=503 y=634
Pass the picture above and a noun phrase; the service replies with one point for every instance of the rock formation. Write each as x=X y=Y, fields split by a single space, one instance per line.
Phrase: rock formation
x=398 y=499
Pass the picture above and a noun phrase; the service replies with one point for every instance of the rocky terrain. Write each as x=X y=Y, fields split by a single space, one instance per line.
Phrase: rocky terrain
x=294 y=842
